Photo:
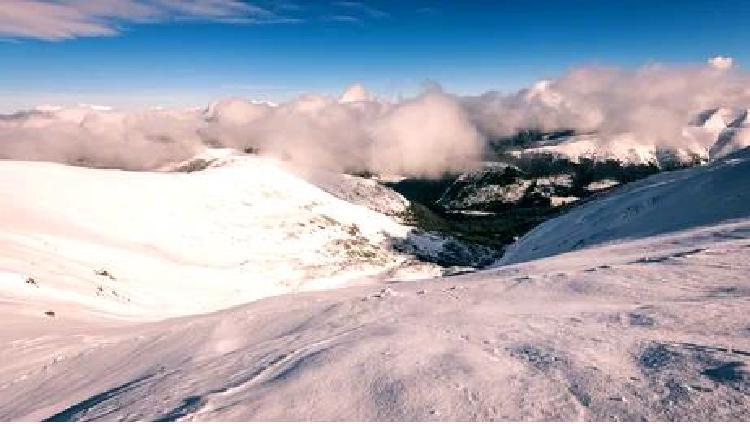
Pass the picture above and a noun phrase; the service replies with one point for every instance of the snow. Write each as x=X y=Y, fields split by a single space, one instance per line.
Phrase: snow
x=562 y=200
x=562 y=180
x=477 y=189
x=475 y=192
x=602 y=184
x=183 y=243
x=369 y=193
x=645 y=320
x=730 y=140
x=713 y=134
x=625 y=149
x=632 y=332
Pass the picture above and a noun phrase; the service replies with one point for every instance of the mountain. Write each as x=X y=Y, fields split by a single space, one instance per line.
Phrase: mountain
x=538 y=174
x=710 y=135
x=668 y=202
x=504 y=199
x=644 y=320
x=218 y=230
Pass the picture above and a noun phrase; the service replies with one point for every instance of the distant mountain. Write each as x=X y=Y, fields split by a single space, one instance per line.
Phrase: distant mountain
x=712 y=134
x=547 y=170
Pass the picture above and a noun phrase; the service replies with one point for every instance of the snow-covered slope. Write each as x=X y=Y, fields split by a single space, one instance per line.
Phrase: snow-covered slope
x=663 y=203
x=652 y=329
x=144 y=243
x=650 y=326
x=359 y=191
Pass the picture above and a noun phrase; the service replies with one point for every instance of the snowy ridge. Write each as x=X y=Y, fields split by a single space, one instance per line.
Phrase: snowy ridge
x=711 y=135
x=359 y=191
x=626 y=149
x=142 y=243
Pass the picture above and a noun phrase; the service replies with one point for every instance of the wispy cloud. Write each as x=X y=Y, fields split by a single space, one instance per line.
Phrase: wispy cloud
x=344 y=19
x=362 y=8
x=65 y=19
x=428 y=11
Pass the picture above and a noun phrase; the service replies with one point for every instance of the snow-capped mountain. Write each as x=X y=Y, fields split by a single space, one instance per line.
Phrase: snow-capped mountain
x=733 y=131
x=551 y=169
x=712 y=134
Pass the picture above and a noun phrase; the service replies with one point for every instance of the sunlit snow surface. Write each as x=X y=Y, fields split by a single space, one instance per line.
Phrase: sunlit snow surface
x=646 y=319
x=180 y=243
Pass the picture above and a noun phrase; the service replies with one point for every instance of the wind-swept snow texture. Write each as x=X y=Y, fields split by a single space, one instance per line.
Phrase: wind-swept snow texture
x=653 y=326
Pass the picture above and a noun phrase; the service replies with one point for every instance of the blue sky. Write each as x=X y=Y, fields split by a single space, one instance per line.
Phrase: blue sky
x=157 y=52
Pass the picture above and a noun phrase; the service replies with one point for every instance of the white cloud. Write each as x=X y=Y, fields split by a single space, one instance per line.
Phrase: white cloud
x=310 y=131
x=426 y=135
x=363 y=8
x=344 y=18
x=64 y=19
x=650 y=105
x=721 y=62
x=355 y=93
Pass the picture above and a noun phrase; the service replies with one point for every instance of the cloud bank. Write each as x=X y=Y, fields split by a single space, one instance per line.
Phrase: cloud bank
x=650 y=106
x=721 y=62
x=423 y=136
x=428 y=135
x=65 y=19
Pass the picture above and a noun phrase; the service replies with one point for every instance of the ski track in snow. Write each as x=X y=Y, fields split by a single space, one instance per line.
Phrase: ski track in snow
x=649 y=327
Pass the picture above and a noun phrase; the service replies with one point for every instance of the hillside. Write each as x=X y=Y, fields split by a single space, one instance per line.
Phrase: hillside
x=171 y=243
x=663 y=203
x=646 y=321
